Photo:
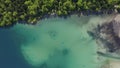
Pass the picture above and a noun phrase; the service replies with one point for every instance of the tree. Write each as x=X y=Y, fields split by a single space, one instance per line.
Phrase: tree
x=30 y=10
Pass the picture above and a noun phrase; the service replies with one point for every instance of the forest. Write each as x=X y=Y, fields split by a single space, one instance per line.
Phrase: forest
x=13 y=11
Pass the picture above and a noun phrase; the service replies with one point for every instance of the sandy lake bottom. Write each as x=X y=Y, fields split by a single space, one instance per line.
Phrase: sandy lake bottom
x=52 y=43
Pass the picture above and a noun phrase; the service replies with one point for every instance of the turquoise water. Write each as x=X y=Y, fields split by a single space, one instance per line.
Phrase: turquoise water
x=57 y=42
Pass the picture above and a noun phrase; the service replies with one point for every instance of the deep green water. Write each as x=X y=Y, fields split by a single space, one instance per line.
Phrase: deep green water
x=53 y=43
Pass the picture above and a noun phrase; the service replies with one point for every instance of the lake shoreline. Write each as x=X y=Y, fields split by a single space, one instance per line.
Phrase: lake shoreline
x=78 y=13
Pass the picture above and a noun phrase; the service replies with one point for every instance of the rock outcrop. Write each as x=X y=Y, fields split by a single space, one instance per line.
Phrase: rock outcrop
x=109 y=34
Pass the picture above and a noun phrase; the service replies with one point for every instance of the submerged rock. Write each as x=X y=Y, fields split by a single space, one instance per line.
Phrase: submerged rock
x=65 y=51
x=109 y=55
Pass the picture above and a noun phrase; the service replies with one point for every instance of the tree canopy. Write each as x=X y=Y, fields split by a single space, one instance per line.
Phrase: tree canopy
x=30 y=11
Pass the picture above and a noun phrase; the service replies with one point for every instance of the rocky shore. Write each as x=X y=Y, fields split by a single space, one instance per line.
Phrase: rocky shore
x=108 y=35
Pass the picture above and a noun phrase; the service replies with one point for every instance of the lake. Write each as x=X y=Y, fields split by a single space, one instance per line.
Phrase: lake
x=52 y=43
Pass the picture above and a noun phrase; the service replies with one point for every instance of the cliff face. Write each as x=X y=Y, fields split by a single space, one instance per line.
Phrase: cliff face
x=109 y=34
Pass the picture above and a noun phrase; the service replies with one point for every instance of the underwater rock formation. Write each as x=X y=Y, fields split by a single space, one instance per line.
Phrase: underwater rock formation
x=109 y=34
x=109 y=55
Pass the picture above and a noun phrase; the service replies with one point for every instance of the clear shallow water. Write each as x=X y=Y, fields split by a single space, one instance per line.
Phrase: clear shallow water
x=53 y=43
